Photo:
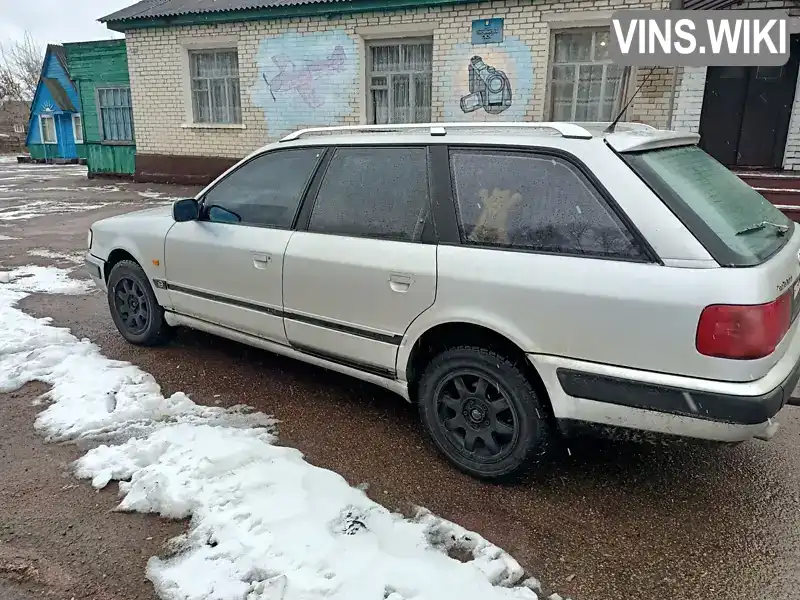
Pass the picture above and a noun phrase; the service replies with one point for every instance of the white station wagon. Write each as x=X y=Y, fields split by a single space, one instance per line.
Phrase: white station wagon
x=510 y=279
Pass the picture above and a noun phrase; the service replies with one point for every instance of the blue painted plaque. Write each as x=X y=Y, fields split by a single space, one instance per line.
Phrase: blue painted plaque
x=487 y=31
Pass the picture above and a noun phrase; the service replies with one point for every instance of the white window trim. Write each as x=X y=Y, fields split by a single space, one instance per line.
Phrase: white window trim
x=77 y=132
x=41 y=130
x=373 y=33
x=562 y=22
x=100 y=123
x=187 y=45
x=367 y=67
x=19 y=128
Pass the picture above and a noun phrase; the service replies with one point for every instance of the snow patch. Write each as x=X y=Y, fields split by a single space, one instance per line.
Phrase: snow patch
x=38 y=208
x=265 y=523
x=59 y=256
x=33 y=279
x=152 y=195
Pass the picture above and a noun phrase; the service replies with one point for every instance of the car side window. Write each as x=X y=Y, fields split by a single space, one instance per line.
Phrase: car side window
x=379 y=192
x=535 y=202
x=265 y=191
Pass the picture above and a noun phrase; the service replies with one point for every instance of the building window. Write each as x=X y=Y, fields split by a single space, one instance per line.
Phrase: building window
x=585 y=85
x=77 y=129
x=19 y=128
x=215 y=86
x=116 y=116
x=399 y=78
x=47 y=126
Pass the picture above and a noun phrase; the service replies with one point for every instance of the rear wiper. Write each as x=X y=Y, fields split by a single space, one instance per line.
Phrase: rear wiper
x=780 y=229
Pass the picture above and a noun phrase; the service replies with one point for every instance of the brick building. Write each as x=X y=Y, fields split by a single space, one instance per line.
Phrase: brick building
x=211 y=80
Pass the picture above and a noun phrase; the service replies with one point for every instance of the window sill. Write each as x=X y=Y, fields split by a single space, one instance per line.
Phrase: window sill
x=118 y=143
x=214 y=126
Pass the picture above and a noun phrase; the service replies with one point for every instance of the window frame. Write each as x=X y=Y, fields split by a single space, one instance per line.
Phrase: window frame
x=214 y=50
x=594 y=29
x=428 y=233
x=42 y=118
x=448 y=222
x=325 y=151
x=77 y=132
x=370 y=73
x=101 y=123
x=19 y=128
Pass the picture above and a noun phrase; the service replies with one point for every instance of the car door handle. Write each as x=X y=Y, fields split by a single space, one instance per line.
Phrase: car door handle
x=260 y=261
x=400 y=282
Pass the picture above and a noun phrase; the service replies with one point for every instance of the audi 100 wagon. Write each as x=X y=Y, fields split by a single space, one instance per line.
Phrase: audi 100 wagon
x=510 y=279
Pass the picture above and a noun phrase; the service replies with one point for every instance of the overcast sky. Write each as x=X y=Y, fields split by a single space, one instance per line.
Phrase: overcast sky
x=56 y=21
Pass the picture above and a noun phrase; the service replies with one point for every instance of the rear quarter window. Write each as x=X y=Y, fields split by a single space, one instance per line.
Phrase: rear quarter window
x=535 y=202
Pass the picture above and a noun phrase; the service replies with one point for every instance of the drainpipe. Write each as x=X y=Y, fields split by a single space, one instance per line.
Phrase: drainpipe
x=673 y=5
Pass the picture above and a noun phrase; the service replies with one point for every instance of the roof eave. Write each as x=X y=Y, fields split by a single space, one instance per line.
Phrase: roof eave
x=278 y=12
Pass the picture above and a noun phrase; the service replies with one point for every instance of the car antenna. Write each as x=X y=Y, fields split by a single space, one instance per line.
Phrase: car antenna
x=610 y=128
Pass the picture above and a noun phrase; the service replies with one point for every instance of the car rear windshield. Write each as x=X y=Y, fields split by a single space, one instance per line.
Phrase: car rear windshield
x=735 y=223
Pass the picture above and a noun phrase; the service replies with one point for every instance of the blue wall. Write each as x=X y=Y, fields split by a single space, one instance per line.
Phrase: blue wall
x=43 y=100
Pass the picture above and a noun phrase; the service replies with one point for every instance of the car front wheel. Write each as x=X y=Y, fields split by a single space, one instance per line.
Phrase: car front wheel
x=134 y=307
x=482 y=413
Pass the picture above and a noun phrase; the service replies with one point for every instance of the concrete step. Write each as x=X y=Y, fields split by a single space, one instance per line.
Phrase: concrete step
x=766 y=179
x=780 y=188
x=780 y=196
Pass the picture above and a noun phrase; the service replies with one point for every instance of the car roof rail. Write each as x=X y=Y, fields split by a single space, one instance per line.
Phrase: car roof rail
x=568 y=130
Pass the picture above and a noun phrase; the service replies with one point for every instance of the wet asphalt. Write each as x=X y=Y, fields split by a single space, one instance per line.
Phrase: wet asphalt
x=617 y=516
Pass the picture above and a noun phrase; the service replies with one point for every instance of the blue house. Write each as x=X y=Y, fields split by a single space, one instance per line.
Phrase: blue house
x=55 y=130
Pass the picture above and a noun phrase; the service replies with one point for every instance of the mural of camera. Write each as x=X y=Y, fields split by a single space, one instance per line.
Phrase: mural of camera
x=489 y=88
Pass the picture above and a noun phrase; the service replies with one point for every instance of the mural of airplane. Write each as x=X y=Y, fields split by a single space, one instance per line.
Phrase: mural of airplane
x=291 y=77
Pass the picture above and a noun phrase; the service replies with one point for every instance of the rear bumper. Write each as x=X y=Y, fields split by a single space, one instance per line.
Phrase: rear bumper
x=687 y=402
x=722 y=411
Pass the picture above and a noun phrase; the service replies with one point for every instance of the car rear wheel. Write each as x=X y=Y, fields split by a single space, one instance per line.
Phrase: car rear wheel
x=134 y=307
x=482 y=413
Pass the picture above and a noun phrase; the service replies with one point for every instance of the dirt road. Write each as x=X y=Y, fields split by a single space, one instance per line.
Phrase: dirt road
x=615 y=518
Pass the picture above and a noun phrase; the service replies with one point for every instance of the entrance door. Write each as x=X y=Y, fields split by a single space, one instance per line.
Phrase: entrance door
x=746 y=112
x=65 y=136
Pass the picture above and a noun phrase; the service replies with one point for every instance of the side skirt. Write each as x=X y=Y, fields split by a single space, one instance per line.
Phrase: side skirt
x=382 y=380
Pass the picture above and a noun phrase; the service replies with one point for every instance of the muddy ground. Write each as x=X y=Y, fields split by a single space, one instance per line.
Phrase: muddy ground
x=615 y=519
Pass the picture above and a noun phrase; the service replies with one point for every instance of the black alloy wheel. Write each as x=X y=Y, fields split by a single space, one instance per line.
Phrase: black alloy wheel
x=132 y=305
x=477 y=416
x=482 y=413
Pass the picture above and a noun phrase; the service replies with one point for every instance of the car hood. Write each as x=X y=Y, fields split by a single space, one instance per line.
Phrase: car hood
x=156 y=211
x=156 y=221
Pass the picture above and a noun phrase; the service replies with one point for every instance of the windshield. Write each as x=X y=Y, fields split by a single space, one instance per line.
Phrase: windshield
x=737 y=225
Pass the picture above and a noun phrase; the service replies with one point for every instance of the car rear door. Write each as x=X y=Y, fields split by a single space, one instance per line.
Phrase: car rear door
x=364 y=267
x=227 y=267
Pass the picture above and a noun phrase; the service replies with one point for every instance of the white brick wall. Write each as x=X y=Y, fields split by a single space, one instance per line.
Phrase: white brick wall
x=689 y=99
x=158 y=69
x=791 y=158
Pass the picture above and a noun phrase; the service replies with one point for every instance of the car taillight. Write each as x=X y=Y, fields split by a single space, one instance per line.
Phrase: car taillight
x=744 y=332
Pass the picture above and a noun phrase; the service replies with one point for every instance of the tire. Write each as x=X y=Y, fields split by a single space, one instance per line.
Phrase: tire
x=134 y=307
x=493 y=431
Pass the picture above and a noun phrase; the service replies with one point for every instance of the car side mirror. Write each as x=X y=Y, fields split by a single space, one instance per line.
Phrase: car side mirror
x=186 y=210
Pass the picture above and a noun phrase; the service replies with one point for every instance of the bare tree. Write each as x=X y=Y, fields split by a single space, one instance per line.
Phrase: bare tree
x=20 y=65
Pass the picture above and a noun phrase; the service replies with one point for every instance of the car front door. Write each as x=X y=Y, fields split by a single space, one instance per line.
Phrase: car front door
x=361 y=272
x=226 y=268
